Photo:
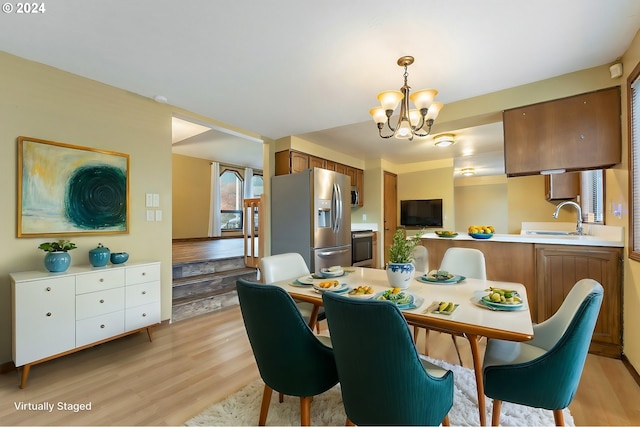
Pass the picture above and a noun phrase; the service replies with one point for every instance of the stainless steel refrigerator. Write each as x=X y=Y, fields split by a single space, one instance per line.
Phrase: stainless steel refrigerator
x=311 y=215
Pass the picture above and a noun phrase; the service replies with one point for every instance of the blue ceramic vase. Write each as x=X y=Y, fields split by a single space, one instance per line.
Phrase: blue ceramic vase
x=57 y=262
x=400 y=275
x=99 y=257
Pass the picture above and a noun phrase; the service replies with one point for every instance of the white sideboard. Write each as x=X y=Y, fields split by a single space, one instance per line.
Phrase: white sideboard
x=59 y=313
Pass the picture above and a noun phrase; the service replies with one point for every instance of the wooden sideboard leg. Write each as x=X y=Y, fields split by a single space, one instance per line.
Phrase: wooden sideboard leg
x=149 y=333
x=25 y=374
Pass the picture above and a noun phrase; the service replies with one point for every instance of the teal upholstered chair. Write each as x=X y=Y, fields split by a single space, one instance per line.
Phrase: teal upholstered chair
x=384 y=380
x=291 y=358
x=545 y=372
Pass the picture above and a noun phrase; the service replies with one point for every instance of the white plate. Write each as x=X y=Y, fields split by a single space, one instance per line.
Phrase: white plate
x=306 y=280
x=340 y=288
x=326 y=272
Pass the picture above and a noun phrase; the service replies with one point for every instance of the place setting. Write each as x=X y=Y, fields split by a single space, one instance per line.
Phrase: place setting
x=324 y=274
x=440 y=277
x=403 y=300
x=498 y=299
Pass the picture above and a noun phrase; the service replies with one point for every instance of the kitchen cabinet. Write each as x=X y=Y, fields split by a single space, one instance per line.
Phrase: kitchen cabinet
x=559 y=267
x=575 y=133
x=562 y=186
x=549 y=271
x=55 y=314
x=292 y=161
x=360 y=186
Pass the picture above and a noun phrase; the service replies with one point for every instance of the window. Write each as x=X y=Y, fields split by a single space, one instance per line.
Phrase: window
x=230 y=200
x=633 y=97
x=258 y=185
x=591 y=196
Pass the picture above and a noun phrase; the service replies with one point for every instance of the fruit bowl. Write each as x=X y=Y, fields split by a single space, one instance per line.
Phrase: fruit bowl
x=481 y=235
x=446 y=234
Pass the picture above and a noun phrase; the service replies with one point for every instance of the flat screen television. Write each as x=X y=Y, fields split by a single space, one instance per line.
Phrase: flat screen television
x=421 y=213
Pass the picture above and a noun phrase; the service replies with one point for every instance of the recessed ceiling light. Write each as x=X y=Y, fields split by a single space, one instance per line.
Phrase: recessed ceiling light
x=160 y=99
x=467 y=171
x=444 y=140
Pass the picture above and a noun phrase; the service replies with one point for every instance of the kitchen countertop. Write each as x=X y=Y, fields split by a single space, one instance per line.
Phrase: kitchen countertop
x=597 y=235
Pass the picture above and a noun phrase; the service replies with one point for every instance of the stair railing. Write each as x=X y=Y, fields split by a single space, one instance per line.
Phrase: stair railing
x=253 y=223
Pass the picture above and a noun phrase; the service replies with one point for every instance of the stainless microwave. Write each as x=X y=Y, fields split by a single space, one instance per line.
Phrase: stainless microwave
x=355 y=196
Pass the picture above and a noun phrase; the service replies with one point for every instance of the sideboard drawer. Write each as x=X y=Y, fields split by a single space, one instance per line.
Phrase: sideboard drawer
x=143 y=273
x=141 y=294
x=98 y=303
x=99 y=280
x=99 y=328
x=141 y=316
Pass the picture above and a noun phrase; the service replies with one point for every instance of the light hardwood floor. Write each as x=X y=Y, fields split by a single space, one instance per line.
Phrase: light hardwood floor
x=196 y=362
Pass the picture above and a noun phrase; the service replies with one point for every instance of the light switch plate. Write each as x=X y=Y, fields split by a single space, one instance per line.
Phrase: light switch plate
x=158 y=215
x=156 y=200
x=150 y=215
x=148 y=200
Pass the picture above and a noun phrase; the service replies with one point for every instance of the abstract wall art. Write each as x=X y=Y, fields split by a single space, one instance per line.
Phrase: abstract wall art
x=65 y=189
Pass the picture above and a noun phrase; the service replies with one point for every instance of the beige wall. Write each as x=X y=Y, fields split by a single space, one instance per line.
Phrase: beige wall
x=42 y=102
x=191 y=196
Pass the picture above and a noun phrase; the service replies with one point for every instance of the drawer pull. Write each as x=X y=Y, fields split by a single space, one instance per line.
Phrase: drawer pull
x=144 y=273
x=101 y=280
x=101 y=301
x=102 y=326
x=144 y=314
x=48 y=289
x=49 y=314
x=144 y=292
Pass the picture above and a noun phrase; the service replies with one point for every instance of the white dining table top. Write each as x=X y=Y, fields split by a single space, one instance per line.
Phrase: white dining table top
x=470 y=317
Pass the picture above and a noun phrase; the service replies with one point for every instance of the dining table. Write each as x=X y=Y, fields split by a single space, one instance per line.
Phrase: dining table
x=472 y=317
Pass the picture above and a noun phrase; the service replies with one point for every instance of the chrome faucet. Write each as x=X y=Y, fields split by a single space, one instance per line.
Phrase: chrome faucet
x=578 y=208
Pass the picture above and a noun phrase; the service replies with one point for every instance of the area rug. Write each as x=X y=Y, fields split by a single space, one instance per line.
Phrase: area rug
x=243 y=407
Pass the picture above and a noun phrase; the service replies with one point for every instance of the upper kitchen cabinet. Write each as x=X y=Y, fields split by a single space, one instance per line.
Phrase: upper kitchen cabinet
x=576 y=133
x=292 y=161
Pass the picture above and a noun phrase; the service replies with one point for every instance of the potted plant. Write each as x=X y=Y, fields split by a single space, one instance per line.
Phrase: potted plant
x=400 y=269
x=57 y=259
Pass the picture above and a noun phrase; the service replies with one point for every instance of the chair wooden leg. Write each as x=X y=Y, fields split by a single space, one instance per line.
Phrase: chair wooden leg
x=416 y=332
x=264 y=408
x=280 y=397
x=313 y=319
x=445 y=420
x=305 y=410
x=558 y=417
x=426 y=342
x=455 y=344
x=348 y=422
x=495 y=412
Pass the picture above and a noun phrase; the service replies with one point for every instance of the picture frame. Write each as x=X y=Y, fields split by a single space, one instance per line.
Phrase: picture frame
x=66 y=190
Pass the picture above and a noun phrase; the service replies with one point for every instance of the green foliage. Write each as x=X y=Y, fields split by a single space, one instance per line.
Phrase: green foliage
x=401 y=250
x=60 y=245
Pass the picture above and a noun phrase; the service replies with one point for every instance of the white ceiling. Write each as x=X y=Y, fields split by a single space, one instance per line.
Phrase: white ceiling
x=313 y=68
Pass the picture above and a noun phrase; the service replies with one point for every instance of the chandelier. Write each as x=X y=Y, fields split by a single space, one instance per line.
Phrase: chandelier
x=415 y=122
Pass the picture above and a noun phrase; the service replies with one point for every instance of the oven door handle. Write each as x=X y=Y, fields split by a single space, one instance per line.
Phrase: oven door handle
x=361 y=235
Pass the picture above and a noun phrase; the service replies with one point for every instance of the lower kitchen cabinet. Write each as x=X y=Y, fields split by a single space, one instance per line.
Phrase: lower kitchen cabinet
x=55 y=314
x=559 y=267
x=549 y=271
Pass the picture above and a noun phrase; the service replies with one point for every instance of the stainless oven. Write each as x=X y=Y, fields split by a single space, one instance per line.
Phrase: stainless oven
x=362 y=248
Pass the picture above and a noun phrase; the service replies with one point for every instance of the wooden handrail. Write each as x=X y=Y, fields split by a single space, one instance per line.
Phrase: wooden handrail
x=253 y=245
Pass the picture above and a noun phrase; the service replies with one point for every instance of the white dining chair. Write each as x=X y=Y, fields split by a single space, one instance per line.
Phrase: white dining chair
x=285 y=266
x=420 y=259
x=467 y=262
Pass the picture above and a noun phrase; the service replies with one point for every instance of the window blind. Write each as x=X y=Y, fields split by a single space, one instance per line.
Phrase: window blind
x=635 y=163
